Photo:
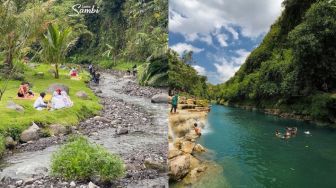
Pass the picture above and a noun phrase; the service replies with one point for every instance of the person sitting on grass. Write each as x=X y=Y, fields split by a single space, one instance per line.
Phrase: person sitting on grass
x=73 y=72
x=197 y=130
x=39 y=103
x=24 y=91
x=60 y=100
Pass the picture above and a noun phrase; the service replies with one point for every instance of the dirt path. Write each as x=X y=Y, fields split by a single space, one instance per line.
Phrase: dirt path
x=126 y=108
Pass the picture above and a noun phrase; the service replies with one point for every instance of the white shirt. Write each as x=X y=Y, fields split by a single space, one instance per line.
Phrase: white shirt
x=39 y=103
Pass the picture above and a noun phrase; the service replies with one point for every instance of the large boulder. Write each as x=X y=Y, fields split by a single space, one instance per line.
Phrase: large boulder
x=10 y=142
x=82 y=95
x=160 y=98
x=187 y=147
x=179 y=167
x=55 y=86
x=56 y=130
x=12 y=105
x=173 y=151
x=199 y=148
x=32 y=133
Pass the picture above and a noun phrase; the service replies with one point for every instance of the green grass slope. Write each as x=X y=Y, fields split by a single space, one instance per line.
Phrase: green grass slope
x=13 y=123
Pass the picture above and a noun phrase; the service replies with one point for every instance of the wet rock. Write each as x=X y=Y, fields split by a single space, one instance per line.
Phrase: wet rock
x=92 y=185
x=32 y=133
x=160 y=98
x=56 y=130
x=199 y=148
x=187 y=146
x=19 y=183
x=13 y=106
x=72 y=184
x=121 y=131
x=102 y=119
x=99 y=91
x=82 y=95
x=55 y=86
x=179 y=167
x=10 y=142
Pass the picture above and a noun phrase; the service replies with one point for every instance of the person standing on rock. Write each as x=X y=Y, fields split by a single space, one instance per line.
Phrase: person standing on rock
x=174 y=103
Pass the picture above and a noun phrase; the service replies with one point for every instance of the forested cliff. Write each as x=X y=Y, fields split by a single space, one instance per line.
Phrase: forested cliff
x=294 y=68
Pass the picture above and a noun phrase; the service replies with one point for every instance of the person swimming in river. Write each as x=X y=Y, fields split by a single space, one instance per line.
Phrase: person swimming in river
x=197 y=129
x=24 y=91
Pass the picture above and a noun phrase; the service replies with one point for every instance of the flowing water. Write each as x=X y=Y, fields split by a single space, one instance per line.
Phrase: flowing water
x=244 y=144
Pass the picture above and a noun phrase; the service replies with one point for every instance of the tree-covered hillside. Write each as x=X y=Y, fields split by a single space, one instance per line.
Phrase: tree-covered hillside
x=183 y=77
x=122 y=33
x=294 y=68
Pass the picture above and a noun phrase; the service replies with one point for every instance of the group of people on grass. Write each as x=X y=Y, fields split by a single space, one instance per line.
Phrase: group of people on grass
x=60 y=99
x=95 y=76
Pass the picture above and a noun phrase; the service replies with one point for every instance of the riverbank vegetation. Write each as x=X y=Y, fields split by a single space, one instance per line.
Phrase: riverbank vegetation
x=124 y=34
x=81 y=160
x=294 y=68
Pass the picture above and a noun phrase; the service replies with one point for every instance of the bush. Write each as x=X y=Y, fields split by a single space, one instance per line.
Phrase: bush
x=2 y=146
x=81 y=160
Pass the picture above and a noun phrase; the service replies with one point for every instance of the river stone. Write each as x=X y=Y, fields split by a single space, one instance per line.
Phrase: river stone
x=72 y=184
x=160 y=98
x=56 y=130
x=187 y=146
x=121 y=130
x=10 y=142
x=92 y=185
x=102 y=119
x=12 y=105
x=82 y=95
x=32 y=133
x=199 y=148
x=179 y=167
x=55 y=86
x=173 y=151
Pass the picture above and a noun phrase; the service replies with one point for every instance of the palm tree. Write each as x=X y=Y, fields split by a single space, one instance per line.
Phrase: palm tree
x=55 y=45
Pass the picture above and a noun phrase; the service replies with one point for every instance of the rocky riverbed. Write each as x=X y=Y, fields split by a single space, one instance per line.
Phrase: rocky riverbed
x=129 y=125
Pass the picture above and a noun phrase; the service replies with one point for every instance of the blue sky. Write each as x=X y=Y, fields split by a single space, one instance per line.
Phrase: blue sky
x=221 y=33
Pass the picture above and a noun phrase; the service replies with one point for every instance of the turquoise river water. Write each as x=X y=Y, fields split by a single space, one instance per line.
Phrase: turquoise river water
x=244 y=145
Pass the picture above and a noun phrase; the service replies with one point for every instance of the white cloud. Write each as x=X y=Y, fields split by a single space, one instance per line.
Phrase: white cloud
x=222 y=40
x=226 y=68
x=199 y=17
x=201 y=70
x=181 y=47
x=225 y=71
x=242 y=55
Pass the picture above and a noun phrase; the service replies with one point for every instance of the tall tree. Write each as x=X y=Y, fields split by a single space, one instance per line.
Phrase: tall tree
x=55 y=45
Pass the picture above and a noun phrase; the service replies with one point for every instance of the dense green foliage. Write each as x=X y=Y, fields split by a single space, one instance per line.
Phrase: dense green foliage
x=55 y=45
x=294 y=68
x=183 y=77
x=81 y=160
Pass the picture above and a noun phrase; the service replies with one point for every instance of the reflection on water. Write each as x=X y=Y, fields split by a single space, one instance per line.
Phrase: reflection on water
x=251 y=156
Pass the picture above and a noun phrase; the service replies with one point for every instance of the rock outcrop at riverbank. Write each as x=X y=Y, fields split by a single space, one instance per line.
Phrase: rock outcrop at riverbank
x=184 y=164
